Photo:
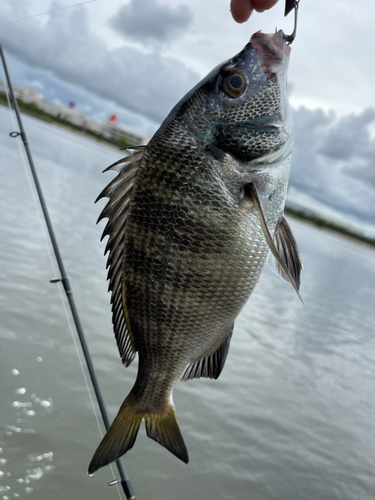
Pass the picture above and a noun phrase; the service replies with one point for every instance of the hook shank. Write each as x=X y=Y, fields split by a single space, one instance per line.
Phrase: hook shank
x=289 y=6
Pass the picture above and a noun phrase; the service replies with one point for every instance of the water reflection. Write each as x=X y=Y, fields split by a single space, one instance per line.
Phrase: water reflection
x=293 y=410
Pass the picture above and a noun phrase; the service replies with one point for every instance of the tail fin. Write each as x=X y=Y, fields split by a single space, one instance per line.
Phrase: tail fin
x=161 y=426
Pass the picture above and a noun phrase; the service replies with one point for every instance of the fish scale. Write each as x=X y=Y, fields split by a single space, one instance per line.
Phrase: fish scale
x=192 y=218
x=197 y=254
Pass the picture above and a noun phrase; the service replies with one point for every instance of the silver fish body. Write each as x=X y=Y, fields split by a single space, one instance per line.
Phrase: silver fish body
x=192 y=218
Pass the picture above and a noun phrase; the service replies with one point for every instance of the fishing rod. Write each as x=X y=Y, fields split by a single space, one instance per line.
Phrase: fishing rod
x=125 y=481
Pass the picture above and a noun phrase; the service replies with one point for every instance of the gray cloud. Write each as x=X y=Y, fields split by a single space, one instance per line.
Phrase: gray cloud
x=350 y=142
x=334 y=160
x=60 y=92
x=149 y=22
x=349 y=138
x=142 y=82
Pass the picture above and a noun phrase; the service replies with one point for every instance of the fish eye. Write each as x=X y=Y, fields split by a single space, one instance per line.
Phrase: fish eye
x=233 y=83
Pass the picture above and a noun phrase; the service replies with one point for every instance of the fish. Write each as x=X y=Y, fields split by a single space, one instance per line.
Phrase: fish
x=192 y=219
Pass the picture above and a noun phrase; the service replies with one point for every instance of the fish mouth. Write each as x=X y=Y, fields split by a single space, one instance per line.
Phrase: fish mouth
x=272 y=50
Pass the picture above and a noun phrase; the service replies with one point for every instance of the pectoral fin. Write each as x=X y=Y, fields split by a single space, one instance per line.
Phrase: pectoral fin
x=288 y=251
x=285 y=244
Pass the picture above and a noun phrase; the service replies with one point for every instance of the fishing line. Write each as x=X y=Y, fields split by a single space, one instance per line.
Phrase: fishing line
x=79 y=355
x=32 y=190
x=54 y=269
x=52 y=260
x=48 y=12
x=49 y=252
x=125 y=482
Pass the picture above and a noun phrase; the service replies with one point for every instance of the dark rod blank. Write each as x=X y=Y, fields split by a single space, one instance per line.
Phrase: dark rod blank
x=125 y=481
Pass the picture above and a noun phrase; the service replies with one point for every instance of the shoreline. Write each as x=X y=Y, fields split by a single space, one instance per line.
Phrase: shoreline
x=32 y=109
x=323 y=224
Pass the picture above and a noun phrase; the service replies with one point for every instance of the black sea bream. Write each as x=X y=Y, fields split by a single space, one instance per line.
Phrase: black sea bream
x=192 y=218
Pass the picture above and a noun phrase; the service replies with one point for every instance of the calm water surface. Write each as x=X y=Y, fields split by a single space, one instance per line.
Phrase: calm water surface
x=292 y=415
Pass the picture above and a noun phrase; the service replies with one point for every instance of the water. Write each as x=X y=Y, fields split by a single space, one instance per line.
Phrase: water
x=292 y=415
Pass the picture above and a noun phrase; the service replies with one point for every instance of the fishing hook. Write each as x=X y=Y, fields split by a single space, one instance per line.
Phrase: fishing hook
x=290 y=5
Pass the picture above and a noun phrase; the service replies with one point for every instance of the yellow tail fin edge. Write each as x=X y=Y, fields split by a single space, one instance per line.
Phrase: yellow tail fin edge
x=161 y=426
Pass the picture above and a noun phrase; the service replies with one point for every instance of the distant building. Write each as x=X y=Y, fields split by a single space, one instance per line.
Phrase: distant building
x=29 y=95
x=109 y=129
x=94 y=126
x=73 y=116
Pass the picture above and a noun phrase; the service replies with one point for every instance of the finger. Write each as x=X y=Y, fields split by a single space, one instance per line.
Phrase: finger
x=241 y=10
x=262 y=5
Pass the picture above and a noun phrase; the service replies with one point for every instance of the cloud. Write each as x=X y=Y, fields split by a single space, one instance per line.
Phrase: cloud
x=149 y=22
x=60 y=92
x=349 y=137
x=145 y=83
x=334 y=160
x=350 y=142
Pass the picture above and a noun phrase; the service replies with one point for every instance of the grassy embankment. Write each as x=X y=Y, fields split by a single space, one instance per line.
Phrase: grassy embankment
x=32 y=109
x=331 y=226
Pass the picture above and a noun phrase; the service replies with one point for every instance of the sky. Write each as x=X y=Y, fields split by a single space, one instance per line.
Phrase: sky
x=139 y=57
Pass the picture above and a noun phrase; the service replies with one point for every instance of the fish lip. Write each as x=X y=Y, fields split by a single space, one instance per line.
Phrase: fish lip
x=271 y=49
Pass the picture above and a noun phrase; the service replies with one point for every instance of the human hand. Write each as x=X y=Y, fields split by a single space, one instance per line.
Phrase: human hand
x=242 y=9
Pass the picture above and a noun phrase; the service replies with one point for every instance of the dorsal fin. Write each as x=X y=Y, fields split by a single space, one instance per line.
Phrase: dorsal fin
x=119 y=192
x=252 y=192
x=209 y=366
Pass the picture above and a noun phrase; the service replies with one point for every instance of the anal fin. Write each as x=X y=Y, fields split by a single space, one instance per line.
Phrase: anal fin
x=212 y=365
